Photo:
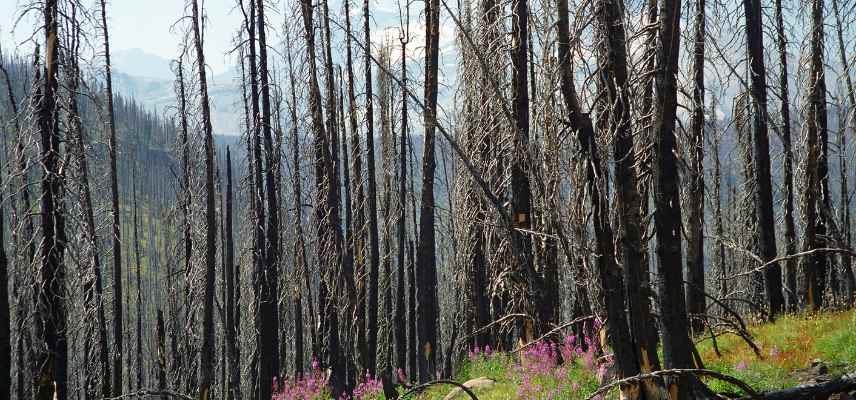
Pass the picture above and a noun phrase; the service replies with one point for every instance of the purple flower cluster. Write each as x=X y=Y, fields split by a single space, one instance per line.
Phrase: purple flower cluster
x=544 y=367
x=312 y=386
x=369 y=389
x=476 y=352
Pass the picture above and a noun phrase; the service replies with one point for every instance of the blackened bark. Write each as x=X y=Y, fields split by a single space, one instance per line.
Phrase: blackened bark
x=269 y=304
x=231 y=328
x=849 y=279
x=326 y=215
x=300 y=260
x=763 y=195
x=112 y=150
x=521 y=193
x=400 y=331
x=357 y=205
x=612 y=58
x=412 y=342
x=427 y=310
x=93 y=290
x=667 y=220
x=206 y=354
x=815 y=266
x=696 y=300
x=5 y=338
x=161 y=351
x=371 y=192
x=788 y=162
x=50 y=364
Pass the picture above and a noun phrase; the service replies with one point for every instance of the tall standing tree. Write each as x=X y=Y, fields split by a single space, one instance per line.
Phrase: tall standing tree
x=427 y=308
x=326 y=215
x=269 y=304
x=371 y=197
x=788 y=160
x=696 y=300
x=50 y=319
x=815 y=266
x=763 y=194
x=116 y=236
x=358 y=202
x=231 y=272
x=206 y=365
x=667 y=220
x=5 y=321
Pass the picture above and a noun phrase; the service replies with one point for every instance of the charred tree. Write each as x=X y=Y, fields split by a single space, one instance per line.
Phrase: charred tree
x=788 y=161
x=269 y=304
x=427 y=308
x=763 y=194
x=112 y=150
x=50 y=319
x=206 y=365
x=696 y=301
x=231 y=327
x=677 y=347
x=326 y=215
x=371 y=193
x=815 y=266
x=357 y=204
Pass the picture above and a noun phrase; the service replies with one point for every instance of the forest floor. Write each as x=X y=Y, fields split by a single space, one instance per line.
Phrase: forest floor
x=794 y=350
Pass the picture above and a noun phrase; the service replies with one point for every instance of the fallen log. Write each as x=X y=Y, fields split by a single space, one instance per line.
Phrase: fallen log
x=813 y=391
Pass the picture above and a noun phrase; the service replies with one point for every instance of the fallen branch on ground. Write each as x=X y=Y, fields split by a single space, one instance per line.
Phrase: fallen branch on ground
x=818 y=390
x=147 y=392
x=671 y=372
x=422 y=387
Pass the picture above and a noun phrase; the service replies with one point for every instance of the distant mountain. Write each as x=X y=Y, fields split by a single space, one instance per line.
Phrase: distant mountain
x=138 y=63
x=158 y=95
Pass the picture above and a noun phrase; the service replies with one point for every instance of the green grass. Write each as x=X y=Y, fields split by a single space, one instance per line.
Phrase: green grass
x=787 y=345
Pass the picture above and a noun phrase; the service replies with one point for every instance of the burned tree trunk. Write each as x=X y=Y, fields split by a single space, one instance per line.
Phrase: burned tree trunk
x=427 y=309
x=815 y=266
x=400 y=331
x=206 y=365
x=326 y=215
x=763 y=194
x=357 y=205
x=696 y=301
x=112 y=150
x=231 y=327
x=50 y=319
x=269 y=304
x=849 y=280
x=93 y=291
x=673 y=313
x=371 y=192
x=788 y=162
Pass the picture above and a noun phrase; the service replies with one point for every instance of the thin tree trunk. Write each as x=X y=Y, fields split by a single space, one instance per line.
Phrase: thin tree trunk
x=112 y=150
x=269 y=306
x=371 y=192
x=206 y=355
x=50 y=366
x=231 y=328
x=815 y=266
x=846 y=260
x=788 y=162
x=400 y=331
x=673 y=313
x=358 y=200
x=427 y=309
x=763 y=194
x=696 y=300
x=326 y=215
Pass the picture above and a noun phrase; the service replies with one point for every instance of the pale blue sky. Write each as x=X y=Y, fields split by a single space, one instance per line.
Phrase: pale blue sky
x=143 y=24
